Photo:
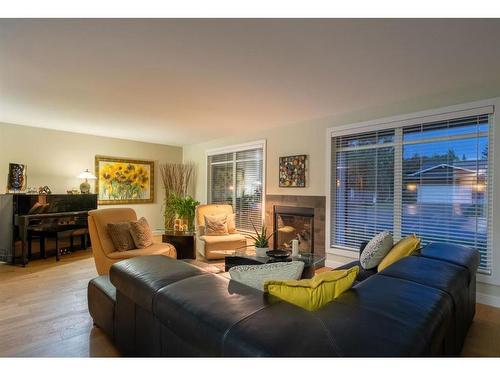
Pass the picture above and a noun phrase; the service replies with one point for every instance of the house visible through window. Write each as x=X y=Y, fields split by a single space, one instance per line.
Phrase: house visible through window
x=237 y=178
x=431 y=179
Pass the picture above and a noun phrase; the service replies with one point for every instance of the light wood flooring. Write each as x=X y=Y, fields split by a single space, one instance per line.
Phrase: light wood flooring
x=43 y=313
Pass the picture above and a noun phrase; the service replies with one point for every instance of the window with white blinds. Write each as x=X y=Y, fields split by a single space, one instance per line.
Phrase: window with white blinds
x=237 y=178
x=431 y=179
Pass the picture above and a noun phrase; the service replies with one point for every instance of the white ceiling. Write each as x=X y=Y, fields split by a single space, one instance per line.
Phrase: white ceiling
x=187 y=81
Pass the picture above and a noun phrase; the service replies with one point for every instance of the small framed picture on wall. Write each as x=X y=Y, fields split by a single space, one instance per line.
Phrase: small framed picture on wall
x=292 y=171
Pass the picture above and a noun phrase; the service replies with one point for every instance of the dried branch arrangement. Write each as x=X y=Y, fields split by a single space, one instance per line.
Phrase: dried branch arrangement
x=178 y=180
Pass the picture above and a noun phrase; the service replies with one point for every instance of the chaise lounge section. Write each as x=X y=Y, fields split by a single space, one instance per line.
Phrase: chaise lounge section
x=419 y=306
x=103 y=249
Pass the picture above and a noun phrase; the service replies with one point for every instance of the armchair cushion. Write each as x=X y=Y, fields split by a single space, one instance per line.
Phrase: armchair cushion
x=154 y=249
x=211 y=240
x=120 y=235
x=141 y=233
x=216 y=225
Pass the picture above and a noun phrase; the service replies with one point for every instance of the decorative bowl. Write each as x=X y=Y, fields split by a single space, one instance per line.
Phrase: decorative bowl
x=278 y=254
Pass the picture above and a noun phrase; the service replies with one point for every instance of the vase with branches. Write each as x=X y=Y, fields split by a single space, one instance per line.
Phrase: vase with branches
x=178 y=182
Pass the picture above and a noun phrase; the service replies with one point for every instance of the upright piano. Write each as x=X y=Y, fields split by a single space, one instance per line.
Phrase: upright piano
x=21 y=215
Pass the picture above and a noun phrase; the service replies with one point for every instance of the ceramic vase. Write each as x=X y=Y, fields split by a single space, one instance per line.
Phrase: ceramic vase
x=261 y=251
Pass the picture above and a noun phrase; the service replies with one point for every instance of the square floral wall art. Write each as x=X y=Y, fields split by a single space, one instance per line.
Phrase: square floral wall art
x=293 y=171
x=124 y=181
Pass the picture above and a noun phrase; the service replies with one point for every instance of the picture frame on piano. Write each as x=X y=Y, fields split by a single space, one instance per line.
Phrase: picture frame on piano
x=124 y=181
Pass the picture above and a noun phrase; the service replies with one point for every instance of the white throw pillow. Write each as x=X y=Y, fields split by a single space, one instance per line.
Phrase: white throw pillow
x=255 y=275
x=376 y=250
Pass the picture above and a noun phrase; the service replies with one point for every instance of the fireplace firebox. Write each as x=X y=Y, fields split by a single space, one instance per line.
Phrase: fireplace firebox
x=293 y=223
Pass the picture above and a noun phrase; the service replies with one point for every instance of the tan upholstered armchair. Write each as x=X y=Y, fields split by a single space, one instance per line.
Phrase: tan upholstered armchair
x=213 y=247
x=104 y=252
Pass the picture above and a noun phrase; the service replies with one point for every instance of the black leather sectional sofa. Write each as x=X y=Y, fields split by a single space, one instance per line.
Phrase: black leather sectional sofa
x=156 y=306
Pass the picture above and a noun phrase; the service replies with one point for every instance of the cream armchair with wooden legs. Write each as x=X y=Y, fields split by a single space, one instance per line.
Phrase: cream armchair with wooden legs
x=103 y=249
x=214 y=247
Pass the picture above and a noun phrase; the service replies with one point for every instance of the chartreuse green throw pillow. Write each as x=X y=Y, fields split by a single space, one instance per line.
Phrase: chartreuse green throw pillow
x=312 y=294
x=403 y=248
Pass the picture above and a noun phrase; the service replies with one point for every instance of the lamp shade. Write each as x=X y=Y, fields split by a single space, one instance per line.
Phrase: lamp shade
x=87 y=175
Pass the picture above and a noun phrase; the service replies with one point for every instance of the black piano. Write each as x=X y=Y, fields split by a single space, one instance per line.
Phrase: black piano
x=25 y=218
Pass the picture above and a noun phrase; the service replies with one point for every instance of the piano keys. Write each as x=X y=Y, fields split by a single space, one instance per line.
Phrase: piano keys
x=24 y=216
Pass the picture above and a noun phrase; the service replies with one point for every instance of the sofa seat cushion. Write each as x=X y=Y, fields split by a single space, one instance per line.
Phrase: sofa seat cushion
x=281 y=330
x=363 y=274
x=401 y=318
x=155 y=249
x=382 y=316
x=445 y=276
x=223 y=239
x=200 y=310
x=140 y=278
x=456 y=254
x=448 y=277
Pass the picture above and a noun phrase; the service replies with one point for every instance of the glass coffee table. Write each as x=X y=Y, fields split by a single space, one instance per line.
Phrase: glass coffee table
x=311 y=262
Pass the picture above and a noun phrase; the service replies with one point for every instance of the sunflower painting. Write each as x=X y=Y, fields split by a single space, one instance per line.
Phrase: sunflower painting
x=124 y=181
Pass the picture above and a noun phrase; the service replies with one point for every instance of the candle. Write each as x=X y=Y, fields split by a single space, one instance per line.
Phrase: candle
x=295 y=248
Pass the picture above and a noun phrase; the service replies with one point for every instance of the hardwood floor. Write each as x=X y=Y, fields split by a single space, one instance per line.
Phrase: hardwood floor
x=43 y=310
x=43 y=313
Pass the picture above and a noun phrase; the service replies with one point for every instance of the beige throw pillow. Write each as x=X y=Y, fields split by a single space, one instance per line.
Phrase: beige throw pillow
x=141 y=233
x=216 y=225
x=120 y=236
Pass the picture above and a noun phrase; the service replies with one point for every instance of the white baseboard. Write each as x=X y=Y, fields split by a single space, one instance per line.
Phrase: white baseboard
x=488 y=299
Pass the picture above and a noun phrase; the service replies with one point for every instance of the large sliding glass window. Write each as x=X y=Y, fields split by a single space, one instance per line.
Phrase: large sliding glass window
x=431 y=179
x=237 y=178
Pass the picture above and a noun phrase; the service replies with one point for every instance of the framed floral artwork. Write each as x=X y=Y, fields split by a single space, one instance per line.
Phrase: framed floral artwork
x=292 y=172
x=124 y=181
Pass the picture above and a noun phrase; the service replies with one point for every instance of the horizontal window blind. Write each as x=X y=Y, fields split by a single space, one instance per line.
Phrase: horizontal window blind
x=431 y=179
x=364 y=183
x=236 y=178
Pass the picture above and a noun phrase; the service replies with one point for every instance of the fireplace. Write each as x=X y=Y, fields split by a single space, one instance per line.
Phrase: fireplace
x=293 y=223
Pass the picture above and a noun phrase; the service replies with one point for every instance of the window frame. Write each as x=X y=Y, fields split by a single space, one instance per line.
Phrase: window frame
x=405 y=120
x=261 y=143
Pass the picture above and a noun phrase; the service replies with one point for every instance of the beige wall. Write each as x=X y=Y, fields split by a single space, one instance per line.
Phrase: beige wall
x=310 y=138
x=55 y=158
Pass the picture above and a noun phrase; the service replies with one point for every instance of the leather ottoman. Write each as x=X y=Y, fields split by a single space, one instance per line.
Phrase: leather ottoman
x=101 y=296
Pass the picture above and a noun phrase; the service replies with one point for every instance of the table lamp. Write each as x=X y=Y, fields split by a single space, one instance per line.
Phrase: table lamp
x=85 y=186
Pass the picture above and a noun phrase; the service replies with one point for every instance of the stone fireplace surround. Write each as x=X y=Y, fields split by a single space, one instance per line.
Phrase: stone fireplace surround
x=316 y=202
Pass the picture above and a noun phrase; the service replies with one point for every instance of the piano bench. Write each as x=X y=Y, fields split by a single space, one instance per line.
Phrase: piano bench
x=71 y=234
x=101 y=296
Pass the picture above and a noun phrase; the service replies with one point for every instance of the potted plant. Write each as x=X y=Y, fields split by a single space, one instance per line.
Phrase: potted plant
x=182 y=207
x=261 y=241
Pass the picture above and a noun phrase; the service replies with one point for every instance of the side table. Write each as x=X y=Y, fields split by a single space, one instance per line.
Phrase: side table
x=184 y=243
